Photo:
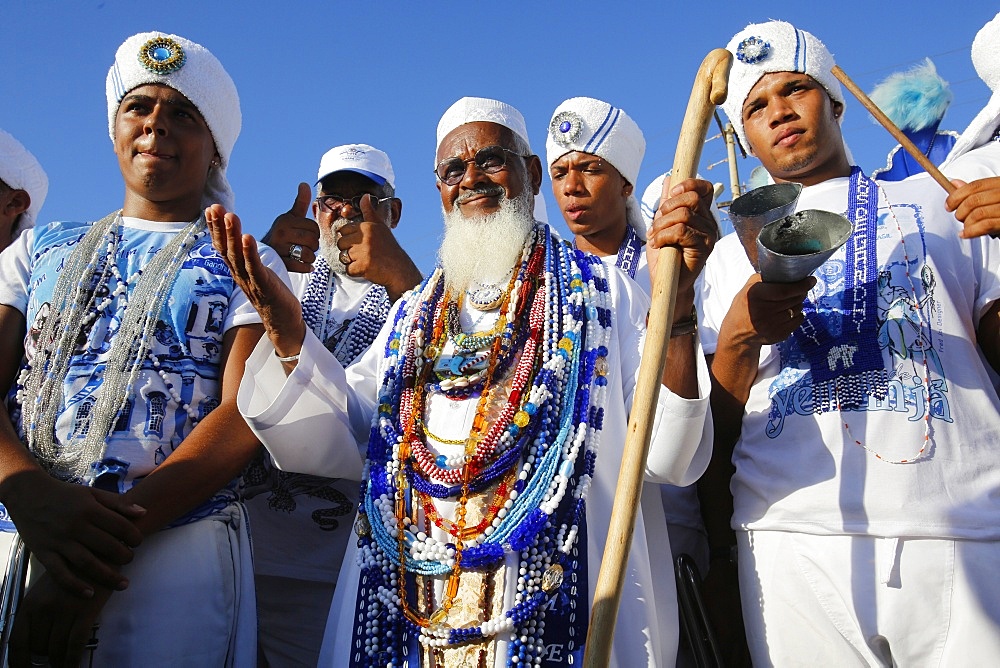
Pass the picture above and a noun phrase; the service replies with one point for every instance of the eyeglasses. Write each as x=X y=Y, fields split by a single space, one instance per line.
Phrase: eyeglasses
x=334 y=203
x=490 y=160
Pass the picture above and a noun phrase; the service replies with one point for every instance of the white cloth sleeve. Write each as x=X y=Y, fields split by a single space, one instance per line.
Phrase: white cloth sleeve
x=301 y=419
x=317 y=419
x=681 y=440
x=15 y=269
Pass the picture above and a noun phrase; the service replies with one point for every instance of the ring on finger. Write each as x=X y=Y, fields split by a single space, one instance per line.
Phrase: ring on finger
x=345 y=257
x=295 y=252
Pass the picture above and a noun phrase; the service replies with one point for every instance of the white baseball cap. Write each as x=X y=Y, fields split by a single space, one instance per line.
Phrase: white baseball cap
x=360 y=158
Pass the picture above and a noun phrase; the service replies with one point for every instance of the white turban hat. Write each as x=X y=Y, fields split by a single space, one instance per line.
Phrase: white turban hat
x=775 y=46
x=481 y=109
x=986 y=59
x=21 y=171
x=592 y=126
x=191 y=70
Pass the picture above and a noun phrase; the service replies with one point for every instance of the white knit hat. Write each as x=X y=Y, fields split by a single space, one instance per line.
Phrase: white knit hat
x=986 y=60
x=190 y=69
x=775 y=46
x=361 y=158
x=478 y=109
x=592 y=126
x=21 y=171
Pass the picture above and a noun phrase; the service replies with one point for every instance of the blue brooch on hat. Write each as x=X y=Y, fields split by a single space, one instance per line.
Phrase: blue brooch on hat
x=162 y=55
x=566 y=127
x=752 y=50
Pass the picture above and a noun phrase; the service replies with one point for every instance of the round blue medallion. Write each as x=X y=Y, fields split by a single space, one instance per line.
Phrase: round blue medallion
x=565 y=126
x=162 y=55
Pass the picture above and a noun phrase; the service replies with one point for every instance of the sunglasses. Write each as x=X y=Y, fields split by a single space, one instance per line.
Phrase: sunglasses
x=334 y=203
x=489 y=160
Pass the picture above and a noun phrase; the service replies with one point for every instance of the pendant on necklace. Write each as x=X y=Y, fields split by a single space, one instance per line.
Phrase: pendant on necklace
x=552 y=578
x=485 y=297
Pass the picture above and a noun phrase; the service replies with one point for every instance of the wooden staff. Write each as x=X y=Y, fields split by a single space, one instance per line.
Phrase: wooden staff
x=710 y=88
x=887 y=123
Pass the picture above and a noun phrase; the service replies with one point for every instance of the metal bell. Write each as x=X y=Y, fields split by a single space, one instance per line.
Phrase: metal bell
x=793 y=247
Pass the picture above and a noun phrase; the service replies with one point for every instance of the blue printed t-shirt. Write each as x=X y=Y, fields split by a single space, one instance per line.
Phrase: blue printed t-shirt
x=203 y=304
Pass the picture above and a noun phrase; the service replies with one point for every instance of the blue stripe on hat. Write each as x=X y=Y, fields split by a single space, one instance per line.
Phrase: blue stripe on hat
x=119 y=87
x=805 y=46
x=586 y=149
x=611 y=126
x=798 y=42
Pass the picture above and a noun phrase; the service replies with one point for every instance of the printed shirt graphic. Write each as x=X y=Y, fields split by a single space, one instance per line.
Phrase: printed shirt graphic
x=301 y=523
x=801 y=470
x=187 y=342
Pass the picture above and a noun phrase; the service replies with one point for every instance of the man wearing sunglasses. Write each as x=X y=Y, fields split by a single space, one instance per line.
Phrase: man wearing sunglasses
x=301 y=524
x=485 y=507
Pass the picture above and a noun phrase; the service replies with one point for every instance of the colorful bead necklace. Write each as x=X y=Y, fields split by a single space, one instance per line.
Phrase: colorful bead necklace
x=540 y=442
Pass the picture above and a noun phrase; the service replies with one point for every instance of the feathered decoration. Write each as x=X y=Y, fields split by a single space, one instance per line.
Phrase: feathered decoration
x=914 y=99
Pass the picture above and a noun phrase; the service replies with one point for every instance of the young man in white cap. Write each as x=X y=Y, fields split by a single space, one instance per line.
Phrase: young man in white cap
x=134 y=337
x=23 y=186
x=301 y=524
x=594 y=151
x=863 y=420
x=485 y=505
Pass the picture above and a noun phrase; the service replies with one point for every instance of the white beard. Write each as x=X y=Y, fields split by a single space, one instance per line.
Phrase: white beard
x=328 y=246
x=484 y=249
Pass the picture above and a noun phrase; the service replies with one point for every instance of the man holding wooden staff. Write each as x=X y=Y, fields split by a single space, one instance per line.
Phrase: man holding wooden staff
x=485 y=501
x=594 y=150
x=854 y=403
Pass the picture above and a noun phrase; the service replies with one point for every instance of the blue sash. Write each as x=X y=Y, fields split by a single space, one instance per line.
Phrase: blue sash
x=841 y=344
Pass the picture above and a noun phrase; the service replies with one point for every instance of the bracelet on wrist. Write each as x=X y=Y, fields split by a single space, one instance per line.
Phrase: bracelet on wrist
x=686 y=327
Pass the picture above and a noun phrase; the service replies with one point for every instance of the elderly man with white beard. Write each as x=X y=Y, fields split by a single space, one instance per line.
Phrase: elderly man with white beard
x=301 y=524
x=494 y=406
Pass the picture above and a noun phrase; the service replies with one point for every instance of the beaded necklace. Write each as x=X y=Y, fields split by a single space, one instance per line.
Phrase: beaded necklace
x=630 y=252
x=544 y=441
x=346 y=342
x=925 y=379
x=834 y=391
x=85 y=269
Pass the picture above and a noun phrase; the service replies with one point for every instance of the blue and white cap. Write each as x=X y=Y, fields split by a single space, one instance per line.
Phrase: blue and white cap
x=592 y=126
x=775 y=46
x=360 y=158
x=191 y=70
x=20 y=170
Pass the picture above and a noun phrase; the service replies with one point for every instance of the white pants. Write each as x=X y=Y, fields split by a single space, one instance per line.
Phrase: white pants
x=189 y=602
x=864 y=601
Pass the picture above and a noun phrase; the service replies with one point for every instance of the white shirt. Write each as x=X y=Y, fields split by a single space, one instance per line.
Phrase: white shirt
x=320 y=398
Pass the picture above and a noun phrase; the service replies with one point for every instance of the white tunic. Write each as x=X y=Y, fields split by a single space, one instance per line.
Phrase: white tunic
x=302 y=419
x=801 y=471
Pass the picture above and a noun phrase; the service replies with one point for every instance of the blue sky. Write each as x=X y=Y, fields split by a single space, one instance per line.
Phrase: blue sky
x=312 y=75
